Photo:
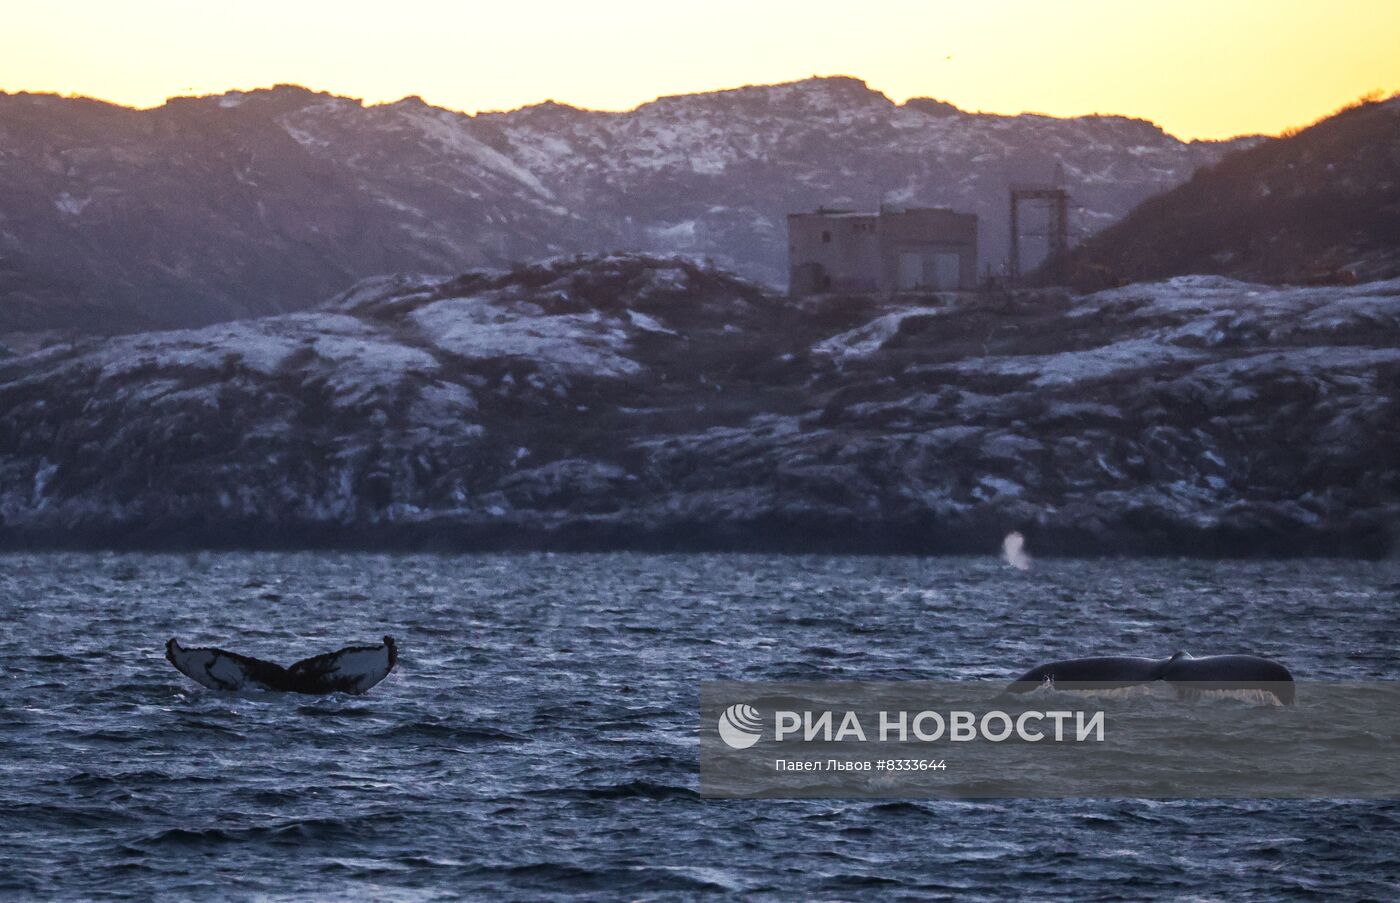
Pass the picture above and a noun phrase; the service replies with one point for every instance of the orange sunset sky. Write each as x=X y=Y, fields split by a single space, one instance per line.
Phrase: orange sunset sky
x=1198 y=69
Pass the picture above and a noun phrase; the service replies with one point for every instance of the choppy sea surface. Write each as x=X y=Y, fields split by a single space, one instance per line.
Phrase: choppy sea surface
x=539 y=737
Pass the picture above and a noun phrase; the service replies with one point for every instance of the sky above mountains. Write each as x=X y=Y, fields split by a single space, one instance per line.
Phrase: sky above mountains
x=1198 y=68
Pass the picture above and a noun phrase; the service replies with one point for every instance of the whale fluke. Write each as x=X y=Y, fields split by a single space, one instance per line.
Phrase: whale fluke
x=1246 y=676
x=1229 y=675
x=354 y=669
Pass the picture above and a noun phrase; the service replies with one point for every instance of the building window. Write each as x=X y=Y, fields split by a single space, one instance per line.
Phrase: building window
x=826 y=238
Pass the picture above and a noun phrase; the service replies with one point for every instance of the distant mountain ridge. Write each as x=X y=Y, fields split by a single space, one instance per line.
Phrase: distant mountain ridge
x=1320 y=205
x=212 y=208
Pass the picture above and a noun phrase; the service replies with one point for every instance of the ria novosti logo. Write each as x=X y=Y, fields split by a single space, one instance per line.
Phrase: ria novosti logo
x=740 y=726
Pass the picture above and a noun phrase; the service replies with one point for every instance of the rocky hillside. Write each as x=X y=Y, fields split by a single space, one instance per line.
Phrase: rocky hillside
x=1319 y=206
x=653 y=403
x=212 y=208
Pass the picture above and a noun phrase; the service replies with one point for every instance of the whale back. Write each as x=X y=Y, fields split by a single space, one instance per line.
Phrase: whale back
x=1107 y=671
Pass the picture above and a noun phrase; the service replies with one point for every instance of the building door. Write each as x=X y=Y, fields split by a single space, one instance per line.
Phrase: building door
x=947 y=271
x=808 y=279
x=911 y=270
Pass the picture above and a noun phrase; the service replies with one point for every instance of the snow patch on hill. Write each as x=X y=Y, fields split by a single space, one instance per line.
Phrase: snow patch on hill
x=473 y=328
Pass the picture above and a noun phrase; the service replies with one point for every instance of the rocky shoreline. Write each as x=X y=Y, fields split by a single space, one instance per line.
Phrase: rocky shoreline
x=657 y=404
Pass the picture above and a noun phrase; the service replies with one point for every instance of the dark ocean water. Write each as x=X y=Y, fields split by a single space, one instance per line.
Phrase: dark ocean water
x=539 y=737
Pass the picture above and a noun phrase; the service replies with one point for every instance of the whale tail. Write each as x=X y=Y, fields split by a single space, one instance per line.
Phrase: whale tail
x=1247 y=677
x=218 y=669
x=354 y=669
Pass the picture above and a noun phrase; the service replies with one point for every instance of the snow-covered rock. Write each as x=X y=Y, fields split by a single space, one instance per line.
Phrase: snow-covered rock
x=661 y=403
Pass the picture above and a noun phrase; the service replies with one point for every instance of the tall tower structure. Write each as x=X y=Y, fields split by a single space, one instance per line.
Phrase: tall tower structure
x=1055 y=201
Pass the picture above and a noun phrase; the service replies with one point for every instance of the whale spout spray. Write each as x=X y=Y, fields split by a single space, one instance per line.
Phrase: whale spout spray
x=1013 y=551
